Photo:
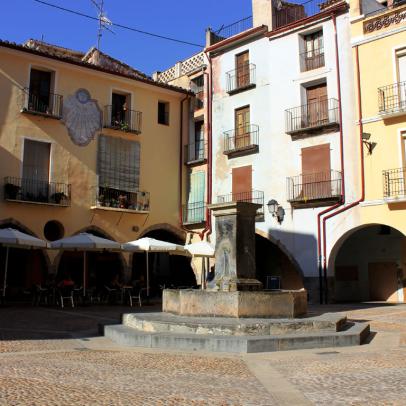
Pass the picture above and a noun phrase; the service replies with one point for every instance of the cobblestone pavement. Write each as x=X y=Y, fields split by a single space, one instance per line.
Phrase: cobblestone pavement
x=53 y=357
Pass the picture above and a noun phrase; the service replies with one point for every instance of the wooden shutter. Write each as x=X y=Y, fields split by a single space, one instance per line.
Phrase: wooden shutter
x=317 y=107
x=242 y=183
x=36 y=160
x=197 y=182
x=242 y=67
x=118 y=163
x=242 y=127
x=316 y=172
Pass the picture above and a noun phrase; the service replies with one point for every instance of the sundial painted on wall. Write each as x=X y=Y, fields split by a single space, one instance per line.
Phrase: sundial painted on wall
x=82 y=117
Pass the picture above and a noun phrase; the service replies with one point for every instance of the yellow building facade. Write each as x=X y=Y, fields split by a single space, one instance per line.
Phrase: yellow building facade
x=369 y=260
x=87 y=143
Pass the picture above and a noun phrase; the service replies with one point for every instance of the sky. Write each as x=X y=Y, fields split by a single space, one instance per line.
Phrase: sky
x=181 y=19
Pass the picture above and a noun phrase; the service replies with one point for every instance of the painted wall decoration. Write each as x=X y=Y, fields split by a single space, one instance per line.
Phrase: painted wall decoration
x=82 y=117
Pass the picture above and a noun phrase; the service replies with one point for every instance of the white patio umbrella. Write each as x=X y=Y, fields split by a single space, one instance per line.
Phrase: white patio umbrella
x=148 y=245
x=201 y=249
x=9 y=237
x=85 y=242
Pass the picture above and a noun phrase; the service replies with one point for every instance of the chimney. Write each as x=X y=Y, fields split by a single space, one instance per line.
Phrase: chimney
x=262 y=13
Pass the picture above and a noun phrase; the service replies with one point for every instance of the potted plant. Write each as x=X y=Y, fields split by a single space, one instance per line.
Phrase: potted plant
x=122 y=202
x=11 y=191
x=58 y=196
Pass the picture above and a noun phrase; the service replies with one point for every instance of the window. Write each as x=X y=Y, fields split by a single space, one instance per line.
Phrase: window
x=40 y=99
x=163 y=113
x=196 y=207
x=242 y=66
x=36 y=160
x=119 y=109
x=199 y=141
x=118 y=163
x=313 y=56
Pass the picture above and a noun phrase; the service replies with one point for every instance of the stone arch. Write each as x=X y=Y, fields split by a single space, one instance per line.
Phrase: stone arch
x=367 y=263
x=167 y=227
x=282 y=247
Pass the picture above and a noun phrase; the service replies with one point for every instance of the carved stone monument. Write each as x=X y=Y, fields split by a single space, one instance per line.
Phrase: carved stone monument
x=235 y=292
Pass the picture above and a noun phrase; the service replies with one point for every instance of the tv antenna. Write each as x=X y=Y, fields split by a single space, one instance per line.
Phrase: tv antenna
x=104 y=22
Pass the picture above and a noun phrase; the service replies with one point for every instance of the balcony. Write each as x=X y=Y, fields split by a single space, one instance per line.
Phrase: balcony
x=314 y=189
x=241 y=141
x=230 y=30
x=394 y=185
x=315 y=117
x=199 y=100
x=310 y=60
x=194 y=213
x=252 y=196
x=46 y=105
x=128 y=121
x=392 y=100
x=242 y=78
x=35 y=191
x=196 y=153
x=111 y=199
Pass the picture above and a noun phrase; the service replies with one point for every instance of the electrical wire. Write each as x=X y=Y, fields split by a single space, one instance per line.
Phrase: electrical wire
x=119 y=25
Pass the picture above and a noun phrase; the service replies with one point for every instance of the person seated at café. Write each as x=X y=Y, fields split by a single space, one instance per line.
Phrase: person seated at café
x=66 y=281
x=115 y=282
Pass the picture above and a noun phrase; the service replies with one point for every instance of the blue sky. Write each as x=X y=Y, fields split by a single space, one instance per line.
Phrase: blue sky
x=183 y=19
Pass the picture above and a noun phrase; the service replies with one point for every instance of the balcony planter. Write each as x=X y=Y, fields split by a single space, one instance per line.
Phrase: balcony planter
x=11 y=190
x=58 y=197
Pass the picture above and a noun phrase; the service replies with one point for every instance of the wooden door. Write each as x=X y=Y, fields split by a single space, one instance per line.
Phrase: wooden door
x=242 y=127
x=242 y=184
x=195 y=208
x=317 y=106
x=383 y=283
x=316 y=172
x=243 y=71
x=402 y=81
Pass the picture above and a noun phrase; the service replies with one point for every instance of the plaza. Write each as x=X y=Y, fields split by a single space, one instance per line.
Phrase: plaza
x=56 y=357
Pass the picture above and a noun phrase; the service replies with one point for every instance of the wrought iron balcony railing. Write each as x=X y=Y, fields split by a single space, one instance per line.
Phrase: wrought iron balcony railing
x=194 y=213
x=308 y=188
x=37 y=191
x=242 y=78
x=128 y=120
x=244 y=138
x=111 y=198
x=199 y=100
x=394 y=183
x=252 y=196
x=48 y=105
x=196 y=153
x=312 y=117
x=392 y=98
x=232 y=29
x=310 y=60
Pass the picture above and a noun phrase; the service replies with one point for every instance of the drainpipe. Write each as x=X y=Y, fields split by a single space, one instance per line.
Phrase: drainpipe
x=361 y=130
x=321 y=256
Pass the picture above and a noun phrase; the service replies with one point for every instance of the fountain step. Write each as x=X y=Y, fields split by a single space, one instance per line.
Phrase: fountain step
x=128 y=336
x=219 y=326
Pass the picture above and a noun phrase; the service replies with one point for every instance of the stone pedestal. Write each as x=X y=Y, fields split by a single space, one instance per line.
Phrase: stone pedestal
x=235 y=247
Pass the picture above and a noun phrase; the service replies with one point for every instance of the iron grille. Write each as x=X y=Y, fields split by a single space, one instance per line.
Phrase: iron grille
x=230 y=30
x=196 y=152
x=194 y=213
x=288 y=13
x=49 y=105
x=240 y=138
x=394 y=182
x=121 y=199
x=314 y=186
x=37 y=191
x=252 y=196
x=241 y=78
x=312 y=59
x=128 y=120
x=312 y=116
x=392 y=98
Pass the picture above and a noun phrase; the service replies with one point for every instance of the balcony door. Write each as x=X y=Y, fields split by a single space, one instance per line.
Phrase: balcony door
x=316 y=173
x=402 y=80
x=40 y=91
x=199 y=142
x=242 y=64
x=195 y=206
x=119 y=110
x=314 y=57
x=317 y=107
x=35 y=176
x=242 y=184
x=242 y=127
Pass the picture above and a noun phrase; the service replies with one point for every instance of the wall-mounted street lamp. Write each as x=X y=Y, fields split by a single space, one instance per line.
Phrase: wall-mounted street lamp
x=370 y=145
x=276 y=210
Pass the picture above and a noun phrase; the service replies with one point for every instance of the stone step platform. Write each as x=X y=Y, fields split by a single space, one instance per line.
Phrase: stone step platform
x=230 y=326
x=355 y=334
